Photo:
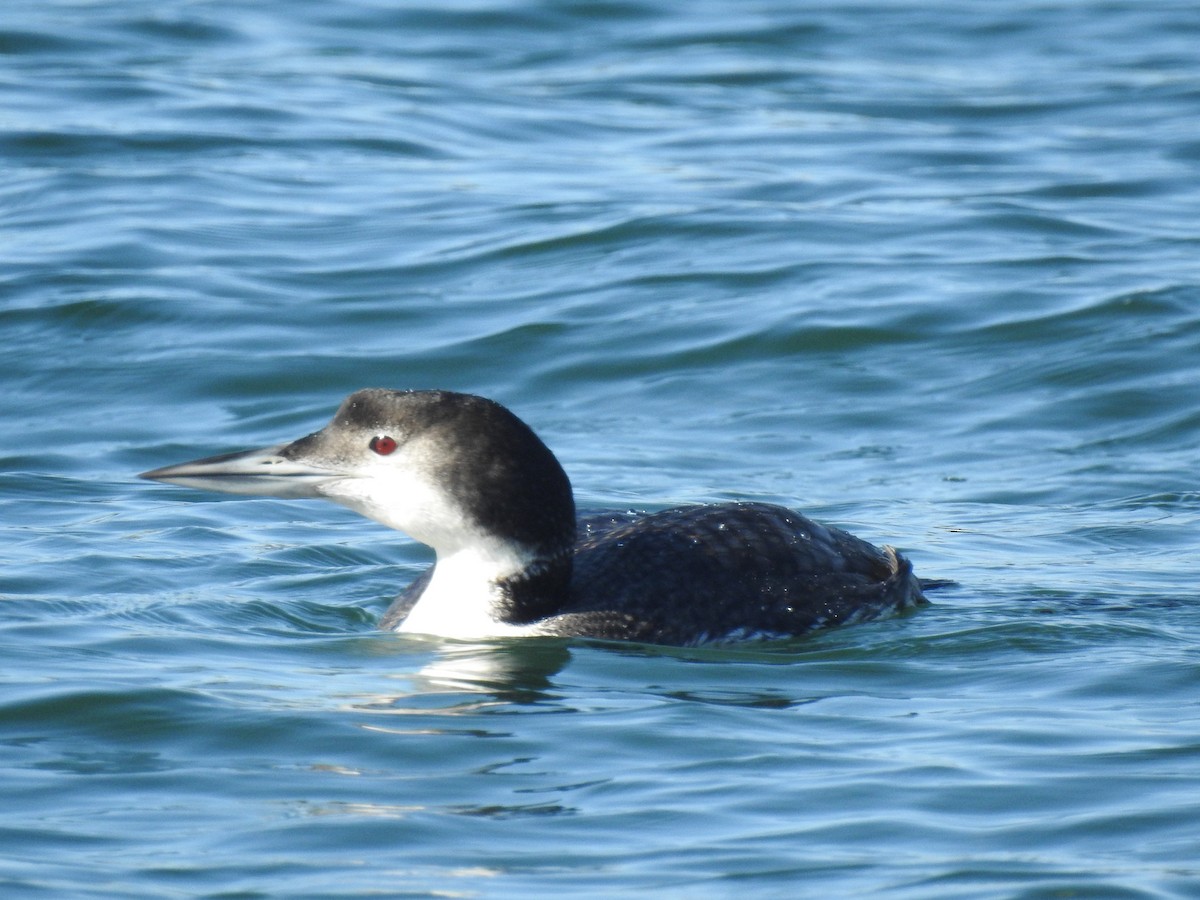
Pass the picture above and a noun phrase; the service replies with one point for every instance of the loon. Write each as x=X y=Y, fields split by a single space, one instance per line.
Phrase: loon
x=463 y=475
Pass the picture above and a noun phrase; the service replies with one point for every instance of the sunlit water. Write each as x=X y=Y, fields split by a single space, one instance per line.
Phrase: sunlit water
x=929 y=271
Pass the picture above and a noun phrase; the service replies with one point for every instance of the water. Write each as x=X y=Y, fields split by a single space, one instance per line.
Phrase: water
x=927 y=271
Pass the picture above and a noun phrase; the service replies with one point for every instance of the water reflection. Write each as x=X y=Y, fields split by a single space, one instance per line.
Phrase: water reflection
x=466 y=678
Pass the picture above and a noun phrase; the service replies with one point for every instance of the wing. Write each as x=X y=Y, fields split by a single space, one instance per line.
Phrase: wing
x=728 y=571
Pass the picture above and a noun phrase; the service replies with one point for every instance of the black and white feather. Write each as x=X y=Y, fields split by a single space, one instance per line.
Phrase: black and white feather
x=465 y=476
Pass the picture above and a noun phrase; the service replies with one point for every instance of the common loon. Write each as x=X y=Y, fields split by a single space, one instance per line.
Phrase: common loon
x=468 y=478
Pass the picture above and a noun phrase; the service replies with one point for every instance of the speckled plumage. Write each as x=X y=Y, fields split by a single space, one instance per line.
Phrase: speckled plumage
x=717 y=573
x=470 y=479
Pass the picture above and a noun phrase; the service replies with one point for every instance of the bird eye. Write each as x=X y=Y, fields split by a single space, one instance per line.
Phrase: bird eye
x=383 y=444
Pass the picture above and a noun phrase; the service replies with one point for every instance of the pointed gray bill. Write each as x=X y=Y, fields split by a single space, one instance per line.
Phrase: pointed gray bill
x=264 y=472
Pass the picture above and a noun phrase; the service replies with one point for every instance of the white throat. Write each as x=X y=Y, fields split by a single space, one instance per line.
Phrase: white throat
x=462 y=597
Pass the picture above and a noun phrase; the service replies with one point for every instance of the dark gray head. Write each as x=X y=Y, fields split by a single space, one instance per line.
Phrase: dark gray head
x=451 y=470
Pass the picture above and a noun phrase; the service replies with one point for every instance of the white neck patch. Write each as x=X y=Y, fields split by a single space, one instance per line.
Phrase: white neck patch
x=461 y=598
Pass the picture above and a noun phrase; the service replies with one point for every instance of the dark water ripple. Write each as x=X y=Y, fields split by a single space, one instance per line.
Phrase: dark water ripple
x=929 y=271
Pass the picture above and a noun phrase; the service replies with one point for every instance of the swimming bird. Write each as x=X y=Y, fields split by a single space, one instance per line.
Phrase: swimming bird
x=465 y=476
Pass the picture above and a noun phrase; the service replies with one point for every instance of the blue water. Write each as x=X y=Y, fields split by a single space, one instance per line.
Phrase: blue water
x=928 y=271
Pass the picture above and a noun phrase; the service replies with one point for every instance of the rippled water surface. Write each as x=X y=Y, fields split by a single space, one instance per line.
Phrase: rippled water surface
x=929 y=271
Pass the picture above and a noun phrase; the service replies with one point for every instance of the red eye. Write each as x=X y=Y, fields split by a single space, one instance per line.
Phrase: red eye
x=383 y=445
